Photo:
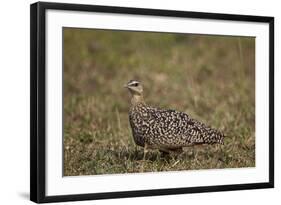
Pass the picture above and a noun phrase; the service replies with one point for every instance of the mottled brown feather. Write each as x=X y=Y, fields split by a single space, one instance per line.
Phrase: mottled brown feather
x=167 y=129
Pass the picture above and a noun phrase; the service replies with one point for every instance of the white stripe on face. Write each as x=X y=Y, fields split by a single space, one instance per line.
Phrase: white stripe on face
x=133 y=82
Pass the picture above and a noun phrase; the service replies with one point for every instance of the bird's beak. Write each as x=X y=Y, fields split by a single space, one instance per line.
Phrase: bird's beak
x=125 y=86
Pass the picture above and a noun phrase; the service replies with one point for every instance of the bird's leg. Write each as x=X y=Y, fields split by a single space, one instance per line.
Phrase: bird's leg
x=144 y=151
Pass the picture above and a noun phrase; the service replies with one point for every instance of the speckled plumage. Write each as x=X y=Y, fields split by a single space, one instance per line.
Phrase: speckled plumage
x=167 y=130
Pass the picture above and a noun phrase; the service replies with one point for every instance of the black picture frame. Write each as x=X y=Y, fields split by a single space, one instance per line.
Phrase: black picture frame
x=38 y=100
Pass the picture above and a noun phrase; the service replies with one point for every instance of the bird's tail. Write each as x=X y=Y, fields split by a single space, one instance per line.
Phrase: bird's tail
x=221 y=139
x=216 y=137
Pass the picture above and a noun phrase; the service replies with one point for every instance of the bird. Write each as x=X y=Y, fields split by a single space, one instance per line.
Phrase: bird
x=166 y=130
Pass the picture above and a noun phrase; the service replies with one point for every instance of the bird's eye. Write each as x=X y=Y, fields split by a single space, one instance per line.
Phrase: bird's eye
x=135 y=84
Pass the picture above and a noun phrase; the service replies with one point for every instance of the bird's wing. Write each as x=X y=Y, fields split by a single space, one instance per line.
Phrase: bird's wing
x=182 y=128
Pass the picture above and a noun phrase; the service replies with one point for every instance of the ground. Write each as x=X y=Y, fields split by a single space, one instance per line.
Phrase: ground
x=211 y=78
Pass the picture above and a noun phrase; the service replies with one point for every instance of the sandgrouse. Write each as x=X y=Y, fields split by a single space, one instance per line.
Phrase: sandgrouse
x=165 y=130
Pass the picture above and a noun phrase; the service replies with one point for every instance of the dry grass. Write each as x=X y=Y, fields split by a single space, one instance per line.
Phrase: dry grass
x=209 y=77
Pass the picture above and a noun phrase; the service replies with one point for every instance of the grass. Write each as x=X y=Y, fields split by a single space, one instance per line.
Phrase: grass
x=212 y=78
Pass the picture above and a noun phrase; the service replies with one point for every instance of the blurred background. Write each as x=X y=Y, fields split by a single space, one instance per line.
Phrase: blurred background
x=211 y=78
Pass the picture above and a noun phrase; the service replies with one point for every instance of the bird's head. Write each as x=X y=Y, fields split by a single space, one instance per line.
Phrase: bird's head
x=134 y=87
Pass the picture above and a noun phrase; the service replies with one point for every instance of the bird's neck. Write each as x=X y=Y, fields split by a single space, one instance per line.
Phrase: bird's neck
x=137 y=99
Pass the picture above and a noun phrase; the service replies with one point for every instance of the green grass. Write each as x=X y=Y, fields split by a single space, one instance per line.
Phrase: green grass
x=209 y=77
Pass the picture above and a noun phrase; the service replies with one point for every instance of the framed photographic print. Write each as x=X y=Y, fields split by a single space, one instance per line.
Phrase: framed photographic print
x=129 y=102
